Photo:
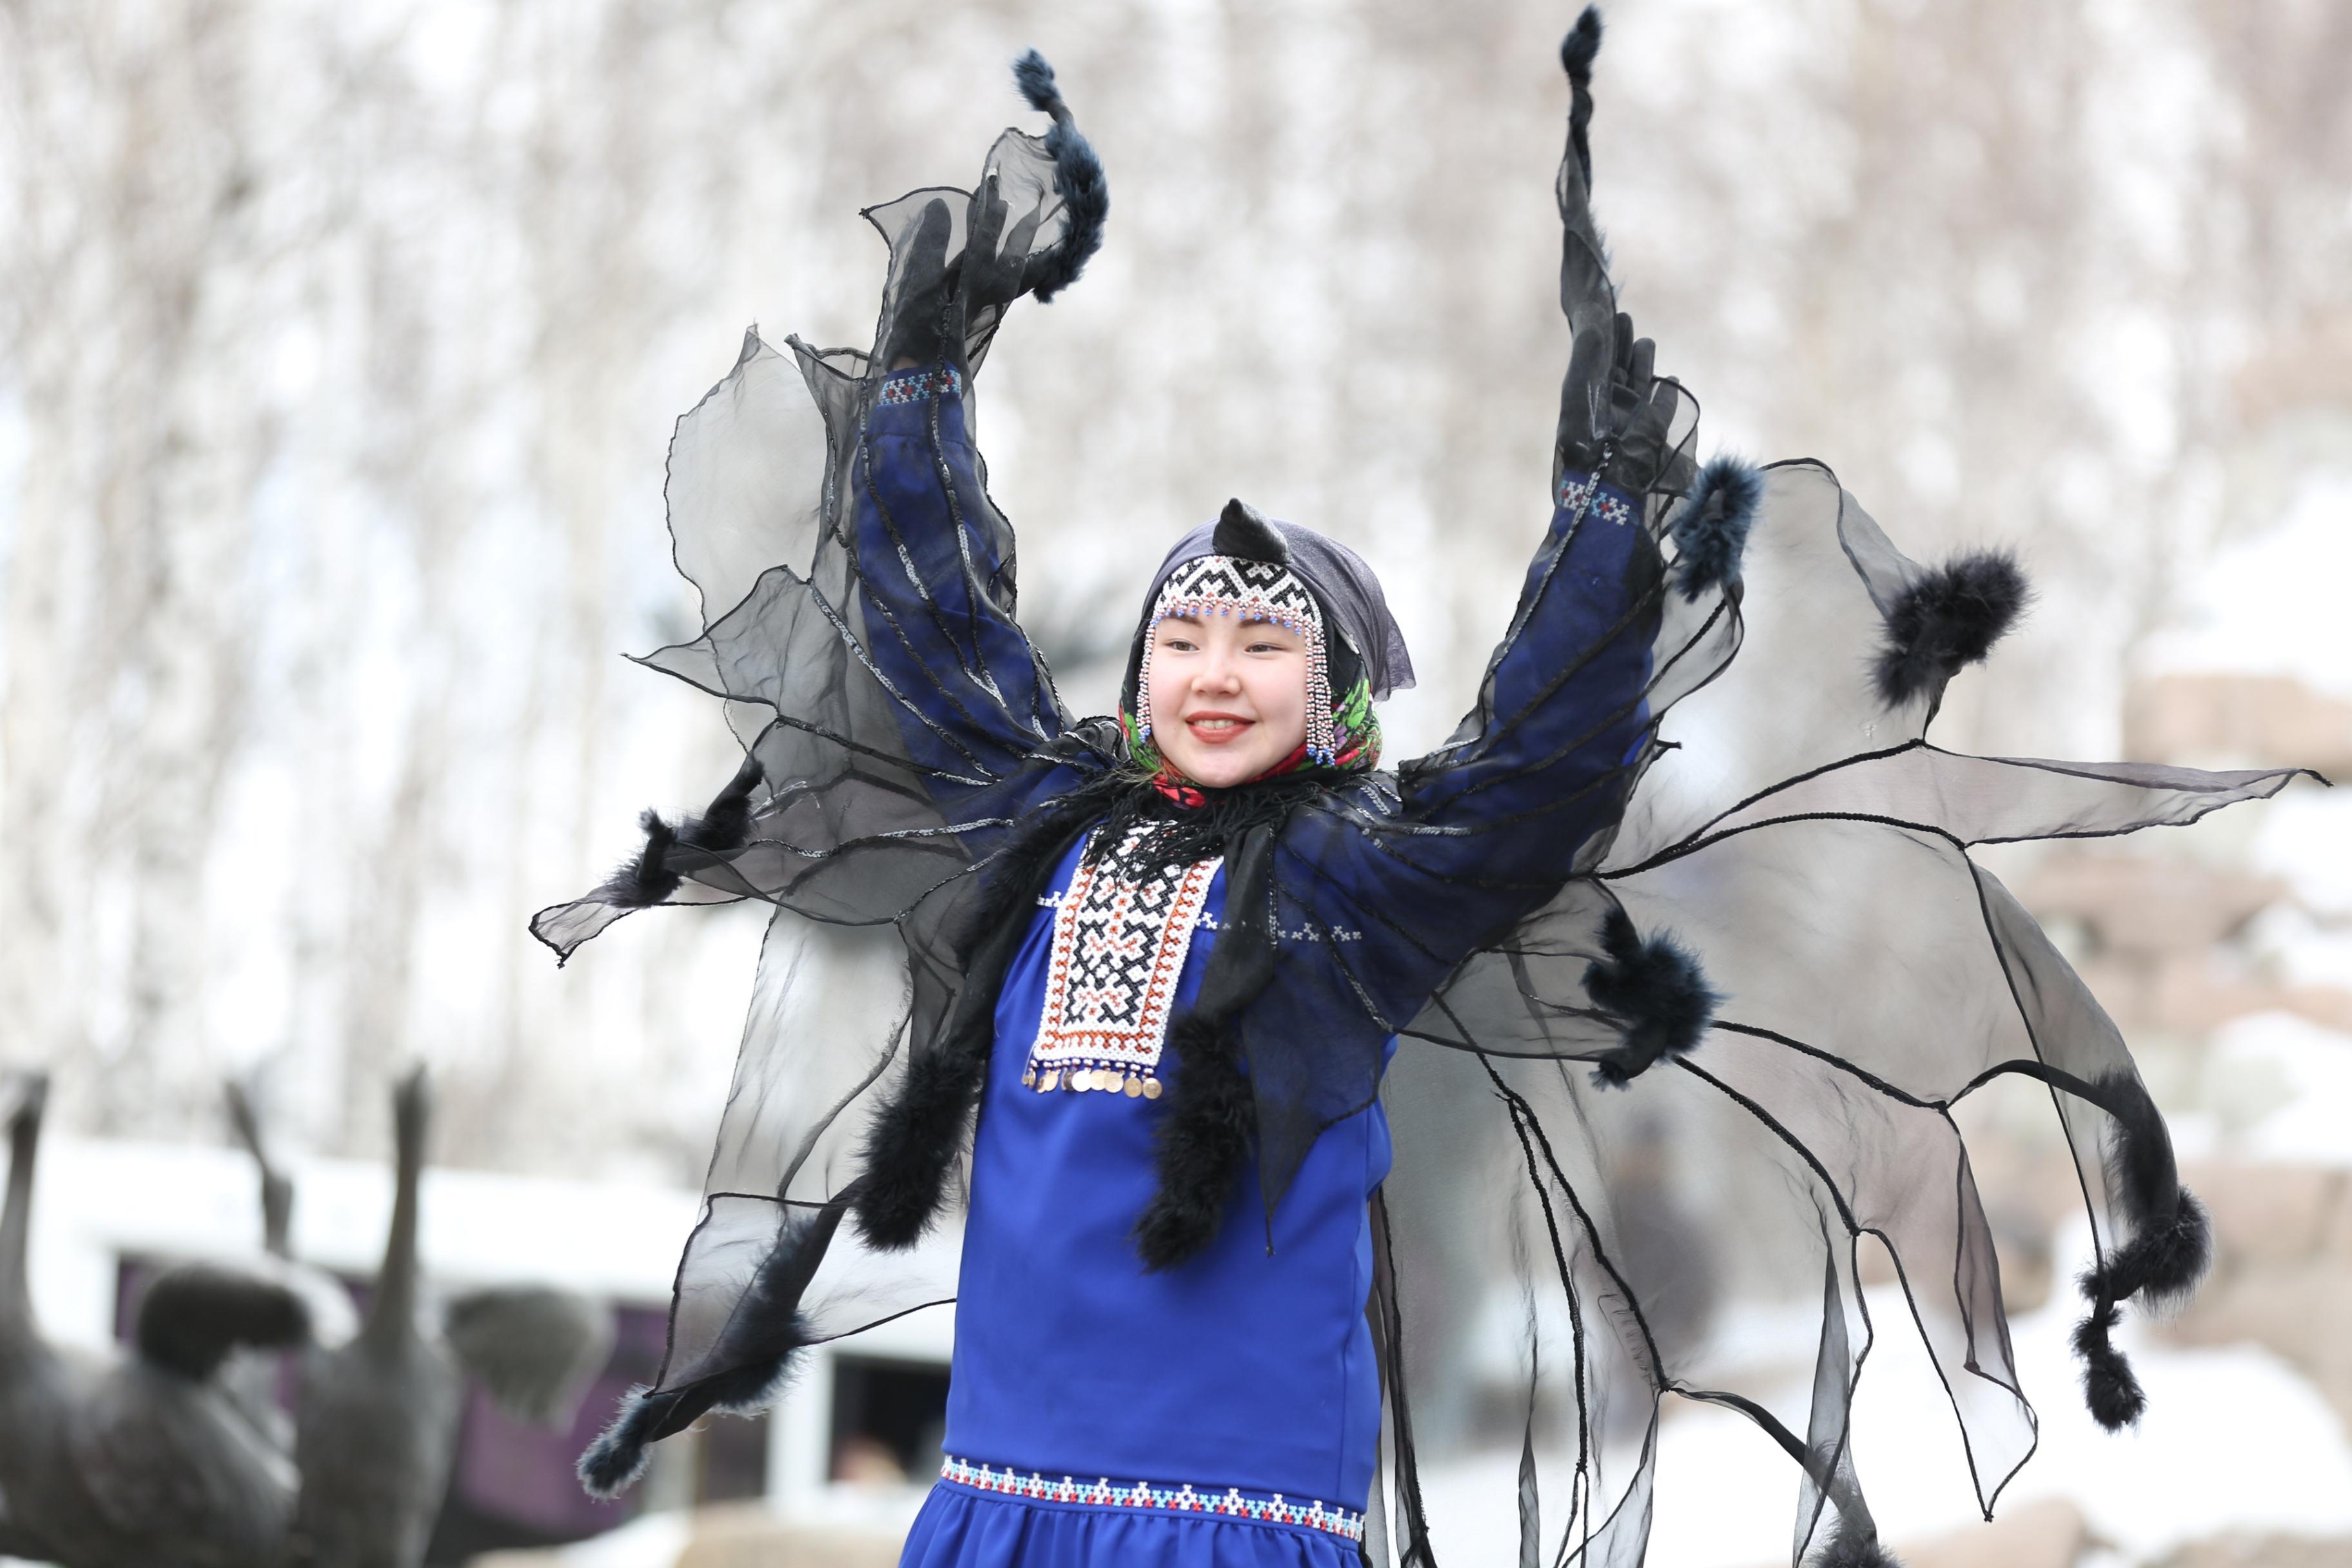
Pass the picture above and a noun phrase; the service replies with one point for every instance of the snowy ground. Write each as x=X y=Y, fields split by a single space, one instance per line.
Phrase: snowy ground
x=2233 y=1439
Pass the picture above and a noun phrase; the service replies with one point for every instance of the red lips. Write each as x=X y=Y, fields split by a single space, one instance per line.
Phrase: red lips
x=1242 y=726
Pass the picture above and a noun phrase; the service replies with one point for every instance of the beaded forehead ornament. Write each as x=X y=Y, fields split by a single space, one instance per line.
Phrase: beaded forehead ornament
x=1255 y=591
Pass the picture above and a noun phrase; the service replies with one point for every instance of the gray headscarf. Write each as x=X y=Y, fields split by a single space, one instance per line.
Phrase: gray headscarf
x=1340 y=579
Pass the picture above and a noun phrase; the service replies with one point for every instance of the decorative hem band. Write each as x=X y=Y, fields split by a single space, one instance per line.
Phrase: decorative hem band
x=1257 y=1508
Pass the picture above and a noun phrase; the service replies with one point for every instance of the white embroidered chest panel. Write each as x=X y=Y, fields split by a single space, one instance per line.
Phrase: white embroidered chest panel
x=1119 y=949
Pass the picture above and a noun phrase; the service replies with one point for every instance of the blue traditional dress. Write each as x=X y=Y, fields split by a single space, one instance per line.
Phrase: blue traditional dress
x=1228 y=1409
x=1681 y=929
x=1239 y=1392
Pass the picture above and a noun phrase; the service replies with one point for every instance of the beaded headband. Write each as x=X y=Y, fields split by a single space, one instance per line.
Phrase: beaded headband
x=1256 y=591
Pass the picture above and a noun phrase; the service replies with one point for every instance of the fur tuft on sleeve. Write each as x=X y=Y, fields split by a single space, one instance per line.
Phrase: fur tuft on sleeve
x=1077 y=176
x=1949 y=619
x=1655 y=987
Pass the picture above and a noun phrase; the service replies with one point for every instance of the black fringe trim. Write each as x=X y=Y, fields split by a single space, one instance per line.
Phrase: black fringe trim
x=1077 y=176
x=2108 y=1386
x=1711 y=531
x=920 y=1127
x=2169 y=1250
x=617 y=1458
x=724 y=826
x=2171 y=1242
x=757 y=1351
x=1201 y=1144
x=917 y=1135
x=1577 y=53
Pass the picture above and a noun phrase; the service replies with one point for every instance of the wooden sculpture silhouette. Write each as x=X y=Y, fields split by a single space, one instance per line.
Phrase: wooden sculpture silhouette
x=144 y=1461
x=377 y=1423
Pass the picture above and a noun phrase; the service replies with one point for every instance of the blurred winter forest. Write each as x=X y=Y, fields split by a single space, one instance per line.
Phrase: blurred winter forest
x=342 y=344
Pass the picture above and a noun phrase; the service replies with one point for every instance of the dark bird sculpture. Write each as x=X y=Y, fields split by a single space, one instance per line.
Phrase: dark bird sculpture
x=144 y=1462
x=255 y=1378
x=36 y=1381
x=377 y=1423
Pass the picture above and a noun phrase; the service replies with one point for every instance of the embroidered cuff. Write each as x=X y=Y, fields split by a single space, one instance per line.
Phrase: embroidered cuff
x=1608 y=503
x=920 y=383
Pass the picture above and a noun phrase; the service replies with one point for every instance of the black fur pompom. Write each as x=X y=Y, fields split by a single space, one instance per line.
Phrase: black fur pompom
x=1583 y=44
x=2164 y=1262
x=2141 y=1171
x=1244 y=533
x=1201 y=1144
x=647 y=879
x=2108 y=1386
x=1711 y=530
x=724 y=825
x=1077 y=176
x=611 y=1464
x=917 y=1135
x=2172 y=1243
x=1950 y=617
x=1655 y=987
x=1853 y=1549
x=1034 y=77
x=1577 y=53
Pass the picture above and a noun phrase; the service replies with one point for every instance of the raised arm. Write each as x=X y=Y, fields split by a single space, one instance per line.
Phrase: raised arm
x=934 y=558
x=833 y=514
x=1545 y=760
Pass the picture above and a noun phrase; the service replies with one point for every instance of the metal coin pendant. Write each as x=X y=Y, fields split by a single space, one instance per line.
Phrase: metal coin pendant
x=1133 y=1088
x=1151 y=1089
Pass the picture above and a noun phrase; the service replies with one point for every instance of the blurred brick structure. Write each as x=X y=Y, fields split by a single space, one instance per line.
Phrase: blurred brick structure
x=2237 y=720
x=2154 y=928
x=2282 y=1270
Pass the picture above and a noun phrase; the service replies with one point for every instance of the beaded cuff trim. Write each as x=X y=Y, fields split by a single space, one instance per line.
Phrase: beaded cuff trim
x=1258 y=1508
x=915 y=386
x=1256 y=591
x=1576 y=489
x=1120 y=945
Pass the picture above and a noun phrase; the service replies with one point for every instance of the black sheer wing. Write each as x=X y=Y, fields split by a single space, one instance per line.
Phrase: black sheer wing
x=857 y=584
x=1864 y=976
x=1731 y=965
x=859 y=590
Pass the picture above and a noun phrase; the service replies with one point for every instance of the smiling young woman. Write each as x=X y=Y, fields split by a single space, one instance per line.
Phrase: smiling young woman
x=1134 y=1118
x=1228 y=696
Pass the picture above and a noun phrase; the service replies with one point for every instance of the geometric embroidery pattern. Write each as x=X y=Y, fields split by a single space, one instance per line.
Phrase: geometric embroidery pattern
x=1258 y=1508
x=1119 y=949
x=915 y=386
x=1576 y=489
x=1255 y=591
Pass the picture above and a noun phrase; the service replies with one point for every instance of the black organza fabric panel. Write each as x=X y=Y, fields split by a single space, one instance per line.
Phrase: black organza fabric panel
x=1588 y=1249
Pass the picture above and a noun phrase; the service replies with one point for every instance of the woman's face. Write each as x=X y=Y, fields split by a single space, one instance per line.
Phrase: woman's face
x=1228 y=696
